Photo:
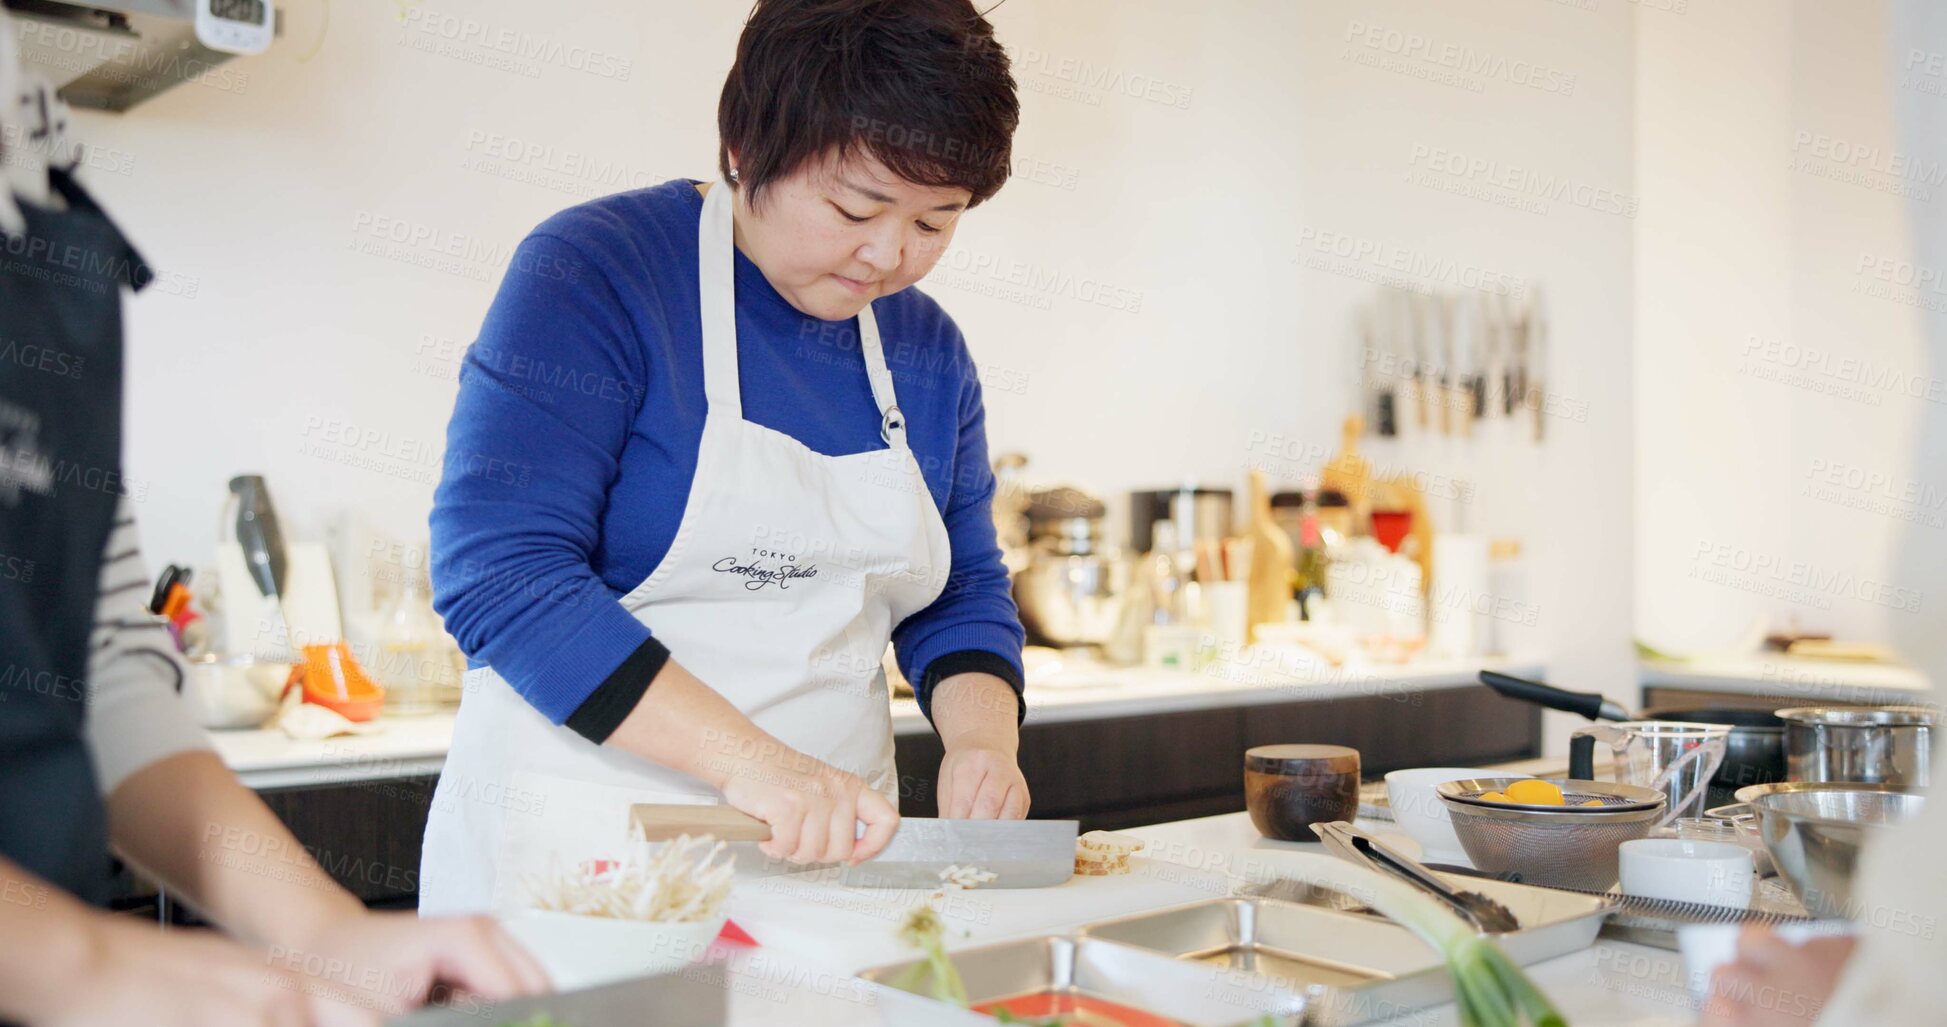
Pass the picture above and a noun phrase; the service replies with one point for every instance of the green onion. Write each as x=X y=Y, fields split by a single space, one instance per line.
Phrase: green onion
x=924 y=931
x=1491 y=989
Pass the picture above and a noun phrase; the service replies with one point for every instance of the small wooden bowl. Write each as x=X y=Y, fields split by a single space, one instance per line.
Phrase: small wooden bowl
x=1288 y=788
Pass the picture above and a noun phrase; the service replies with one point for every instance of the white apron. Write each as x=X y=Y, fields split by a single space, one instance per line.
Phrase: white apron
x=779 y=590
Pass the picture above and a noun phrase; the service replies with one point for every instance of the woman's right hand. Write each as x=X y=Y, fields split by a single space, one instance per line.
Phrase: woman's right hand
x=811 y=807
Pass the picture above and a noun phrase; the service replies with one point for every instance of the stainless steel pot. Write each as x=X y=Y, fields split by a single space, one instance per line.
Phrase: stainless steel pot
x=1872 y=744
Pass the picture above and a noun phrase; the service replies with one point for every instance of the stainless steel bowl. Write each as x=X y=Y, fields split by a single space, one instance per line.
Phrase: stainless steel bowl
x=1876 y=744
x=1072 y=598
x=1564 y=846
x=1815 y=830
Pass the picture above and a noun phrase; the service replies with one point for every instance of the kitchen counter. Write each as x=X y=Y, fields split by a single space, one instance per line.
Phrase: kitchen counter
x=1772 y=675
x=812 y=938
x=416 y=746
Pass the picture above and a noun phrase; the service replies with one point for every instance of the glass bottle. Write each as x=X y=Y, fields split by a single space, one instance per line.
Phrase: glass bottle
x=414 y=654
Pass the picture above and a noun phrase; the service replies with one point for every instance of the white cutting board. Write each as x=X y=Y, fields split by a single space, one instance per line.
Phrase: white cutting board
x=812 y=918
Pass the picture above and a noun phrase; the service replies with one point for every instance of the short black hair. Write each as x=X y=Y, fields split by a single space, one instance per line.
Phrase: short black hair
x=922 y=85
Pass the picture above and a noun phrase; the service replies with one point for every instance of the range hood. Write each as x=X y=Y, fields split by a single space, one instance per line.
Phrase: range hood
x=113 y=54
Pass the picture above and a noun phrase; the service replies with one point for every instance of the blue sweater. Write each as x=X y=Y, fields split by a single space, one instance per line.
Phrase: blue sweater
x=574 y=440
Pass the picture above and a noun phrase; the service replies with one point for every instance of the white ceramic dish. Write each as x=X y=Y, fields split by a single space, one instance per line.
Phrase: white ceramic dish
x=1686 y=870
x=584 y=951
x=1417 y=810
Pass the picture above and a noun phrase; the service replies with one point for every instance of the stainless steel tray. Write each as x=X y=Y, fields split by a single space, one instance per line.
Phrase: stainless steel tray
x=1189 y=993
x=1353 y=967
x=1554 y=922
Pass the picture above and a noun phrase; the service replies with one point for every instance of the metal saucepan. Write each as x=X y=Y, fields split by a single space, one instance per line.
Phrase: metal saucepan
x=1875 y=744
x=1755 y=754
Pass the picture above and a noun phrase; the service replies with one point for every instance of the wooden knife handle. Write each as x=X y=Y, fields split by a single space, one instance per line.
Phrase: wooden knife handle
x=660 y=823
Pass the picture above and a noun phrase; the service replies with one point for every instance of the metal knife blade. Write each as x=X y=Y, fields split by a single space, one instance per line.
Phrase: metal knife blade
x=1020 y=853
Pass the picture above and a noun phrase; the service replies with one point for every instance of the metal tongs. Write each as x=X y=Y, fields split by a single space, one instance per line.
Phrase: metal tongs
x=1348 y=842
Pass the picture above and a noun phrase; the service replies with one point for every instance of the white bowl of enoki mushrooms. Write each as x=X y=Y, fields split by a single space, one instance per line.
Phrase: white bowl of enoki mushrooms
x=655 y=910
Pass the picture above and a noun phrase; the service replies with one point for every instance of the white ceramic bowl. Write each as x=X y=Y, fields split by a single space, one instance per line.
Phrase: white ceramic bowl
x=1418 y=811
x=1684 y=870
x=584 y=951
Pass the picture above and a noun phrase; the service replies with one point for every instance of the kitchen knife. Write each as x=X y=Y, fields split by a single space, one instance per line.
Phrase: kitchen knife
x=1020 y=853
x=694 y=996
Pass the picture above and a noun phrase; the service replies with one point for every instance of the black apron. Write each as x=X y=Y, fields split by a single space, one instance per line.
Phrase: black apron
x=60 y=476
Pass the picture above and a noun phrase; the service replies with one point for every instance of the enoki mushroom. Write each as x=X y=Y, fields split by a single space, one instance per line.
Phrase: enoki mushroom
x=681 y=881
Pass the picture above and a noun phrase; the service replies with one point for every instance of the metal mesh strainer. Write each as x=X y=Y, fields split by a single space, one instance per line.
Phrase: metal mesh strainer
x=1572 y=801
x=1568 y=846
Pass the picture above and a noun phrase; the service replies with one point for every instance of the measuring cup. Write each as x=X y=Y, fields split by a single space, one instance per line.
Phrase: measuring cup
x=1670 y=756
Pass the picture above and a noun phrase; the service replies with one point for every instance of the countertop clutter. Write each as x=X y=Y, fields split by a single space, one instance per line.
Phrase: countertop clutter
x=812 y=939
x=407 y=746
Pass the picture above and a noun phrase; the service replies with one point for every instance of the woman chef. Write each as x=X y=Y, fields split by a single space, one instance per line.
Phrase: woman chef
x=711 y=452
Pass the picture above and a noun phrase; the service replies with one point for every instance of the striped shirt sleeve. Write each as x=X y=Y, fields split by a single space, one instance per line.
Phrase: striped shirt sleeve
x=136 y=714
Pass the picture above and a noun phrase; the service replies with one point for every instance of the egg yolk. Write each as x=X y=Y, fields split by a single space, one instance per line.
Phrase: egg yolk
x=1535 y=792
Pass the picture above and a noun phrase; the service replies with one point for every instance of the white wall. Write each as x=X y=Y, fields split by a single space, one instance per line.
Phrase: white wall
x=1370 y=136
x=313 y=348
x=1783 y=457
x=1115 y=292
x=1137 y=295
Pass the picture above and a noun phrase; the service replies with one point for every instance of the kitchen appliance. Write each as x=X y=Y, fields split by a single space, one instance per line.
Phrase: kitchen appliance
x=113 y=54
x=1754 y=751
x=1569 y=846
x=235 y=26
x=1674 y=758
x=265 y=587
x=252 y=523
x=1075 y=586
x=1199 y=514
x=1021 y=853
x=1009 y=509
x=1815 y=830
x=1876 y=744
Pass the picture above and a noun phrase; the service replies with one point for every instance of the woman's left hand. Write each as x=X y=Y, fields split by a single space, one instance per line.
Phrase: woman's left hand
x=981 y=782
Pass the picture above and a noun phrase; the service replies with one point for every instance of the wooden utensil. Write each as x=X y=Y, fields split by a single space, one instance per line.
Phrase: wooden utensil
x=662 y=823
